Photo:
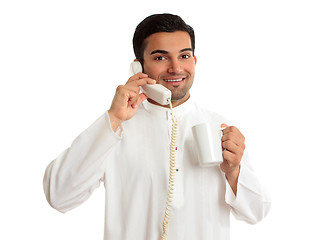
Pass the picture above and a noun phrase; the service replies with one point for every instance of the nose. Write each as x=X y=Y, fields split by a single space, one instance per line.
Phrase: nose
x=174 y=66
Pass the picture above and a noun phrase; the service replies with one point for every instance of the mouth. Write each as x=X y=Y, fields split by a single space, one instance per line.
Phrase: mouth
x=174 y=80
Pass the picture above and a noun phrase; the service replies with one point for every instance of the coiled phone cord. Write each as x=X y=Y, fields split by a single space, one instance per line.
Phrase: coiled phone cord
x=171 y=185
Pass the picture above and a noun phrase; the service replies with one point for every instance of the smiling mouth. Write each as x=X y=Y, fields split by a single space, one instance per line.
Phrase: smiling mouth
x=174 y=80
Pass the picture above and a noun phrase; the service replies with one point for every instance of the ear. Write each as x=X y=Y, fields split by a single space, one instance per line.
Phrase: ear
x=195 y=59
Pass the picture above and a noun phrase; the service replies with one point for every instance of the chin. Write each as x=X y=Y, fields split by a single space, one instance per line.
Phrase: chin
x=177 y=97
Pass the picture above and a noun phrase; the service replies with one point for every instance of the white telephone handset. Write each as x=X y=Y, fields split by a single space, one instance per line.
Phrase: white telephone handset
x=157 y=92
x=162 y=95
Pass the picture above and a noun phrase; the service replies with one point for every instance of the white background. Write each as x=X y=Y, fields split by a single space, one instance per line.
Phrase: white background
x=263 y=64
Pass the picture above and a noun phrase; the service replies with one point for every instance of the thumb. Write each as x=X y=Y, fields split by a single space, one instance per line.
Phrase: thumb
x=140 y=99
x=224 y=125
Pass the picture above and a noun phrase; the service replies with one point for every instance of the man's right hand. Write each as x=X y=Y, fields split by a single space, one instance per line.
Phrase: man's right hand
x=127 y=99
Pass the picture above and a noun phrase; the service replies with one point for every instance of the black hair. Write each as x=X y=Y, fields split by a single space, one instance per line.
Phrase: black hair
x=158 y=23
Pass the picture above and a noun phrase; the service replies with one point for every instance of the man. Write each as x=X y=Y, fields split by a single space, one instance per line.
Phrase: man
x=128 y=149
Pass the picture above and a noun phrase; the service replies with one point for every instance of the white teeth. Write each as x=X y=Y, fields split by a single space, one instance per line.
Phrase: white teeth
x=177 y=80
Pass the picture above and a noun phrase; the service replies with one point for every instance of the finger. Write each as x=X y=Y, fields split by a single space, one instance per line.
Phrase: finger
x=134 y=85
x=140 y=99
x=131 y=90
x=140 y=81
x=124 y=94
x=232 y=147
x=228 y=129
x=144 y=81
x=234 y=130
x=132 y=100
x=233 y=137
x=227 y=157
x=128 y=90
x=231 y=159
x=137 y=76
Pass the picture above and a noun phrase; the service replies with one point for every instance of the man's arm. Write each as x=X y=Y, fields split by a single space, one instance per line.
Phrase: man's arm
x=233 y=143
x=251 y=202
x=70 y=179
x=248 y=199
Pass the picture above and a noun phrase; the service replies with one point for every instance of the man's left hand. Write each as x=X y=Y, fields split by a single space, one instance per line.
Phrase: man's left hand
x=233 y=143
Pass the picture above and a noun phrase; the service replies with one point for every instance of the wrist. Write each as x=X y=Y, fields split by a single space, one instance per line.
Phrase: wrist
x=114 y=121
x=232 y=176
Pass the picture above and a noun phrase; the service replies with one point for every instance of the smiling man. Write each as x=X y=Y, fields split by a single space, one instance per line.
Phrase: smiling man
x=128 y=149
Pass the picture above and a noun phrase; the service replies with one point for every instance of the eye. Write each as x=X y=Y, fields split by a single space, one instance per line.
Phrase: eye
x=159 y=58
x=186 y=56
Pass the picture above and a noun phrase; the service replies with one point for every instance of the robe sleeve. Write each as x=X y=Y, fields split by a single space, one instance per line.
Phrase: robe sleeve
x=70 y=179
x=252 y=202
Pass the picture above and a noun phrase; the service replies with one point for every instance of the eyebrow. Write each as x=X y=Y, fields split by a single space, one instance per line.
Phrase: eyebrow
x=166 y=52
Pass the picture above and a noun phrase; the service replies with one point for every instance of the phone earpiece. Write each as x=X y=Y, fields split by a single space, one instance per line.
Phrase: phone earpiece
x=135 y=67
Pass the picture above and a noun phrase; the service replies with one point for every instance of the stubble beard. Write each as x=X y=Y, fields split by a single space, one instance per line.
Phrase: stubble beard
x=179 y=94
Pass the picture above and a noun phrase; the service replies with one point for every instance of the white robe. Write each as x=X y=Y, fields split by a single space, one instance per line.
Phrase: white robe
x=133 y=163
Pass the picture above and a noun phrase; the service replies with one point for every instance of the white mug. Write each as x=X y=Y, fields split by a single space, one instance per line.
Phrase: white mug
x=208 y=140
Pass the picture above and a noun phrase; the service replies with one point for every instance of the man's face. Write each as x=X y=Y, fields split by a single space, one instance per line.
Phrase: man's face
x=168 y=58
